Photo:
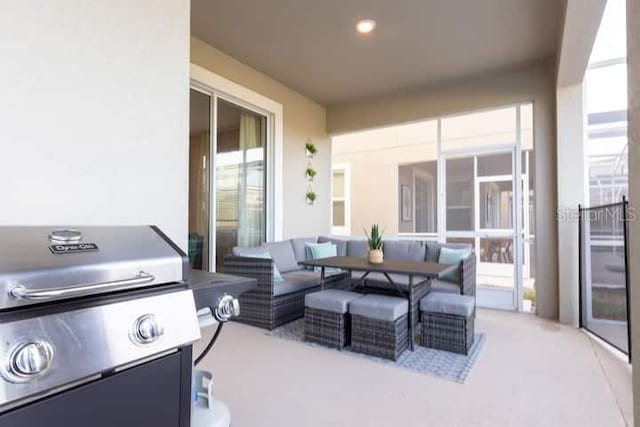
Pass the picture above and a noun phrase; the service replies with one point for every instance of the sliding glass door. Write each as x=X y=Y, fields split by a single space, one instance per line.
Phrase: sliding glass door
x=227 y=179
x=200 y=150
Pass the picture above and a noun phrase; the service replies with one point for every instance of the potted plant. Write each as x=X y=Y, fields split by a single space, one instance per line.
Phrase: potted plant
x=310 y=149
x=310 y=173
x=374 y=255
x=311 y=197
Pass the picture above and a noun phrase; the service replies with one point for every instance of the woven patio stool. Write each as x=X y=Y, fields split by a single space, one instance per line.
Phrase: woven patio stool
x=326 y=317
x=379 y=326
x=447 y=321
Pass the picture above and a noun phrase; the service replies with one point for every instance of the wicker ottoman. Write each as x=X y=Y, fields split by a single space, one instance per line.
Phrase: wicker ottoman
x=325 y=317
x=447 y=321
x=379 y=326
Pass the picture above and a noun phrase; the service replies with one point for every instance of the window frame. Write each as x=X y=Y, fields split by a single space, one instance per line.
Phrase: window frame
x=346 y=199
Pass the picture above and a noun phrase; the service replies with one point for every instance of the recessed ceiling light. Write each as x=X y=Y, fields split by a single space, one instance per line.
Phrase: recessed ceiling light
x=365 y=26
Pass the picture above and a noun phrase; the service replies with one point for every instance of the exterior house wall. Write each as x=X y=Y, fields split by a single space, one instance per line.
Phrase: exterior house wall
x=94 y=113
x=373 y=158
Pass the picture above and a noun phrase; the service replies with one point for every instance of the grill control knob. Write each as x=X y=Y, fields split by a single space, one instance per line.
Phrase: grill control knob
x=228 y=307
x=147 y=329
x=30 y=359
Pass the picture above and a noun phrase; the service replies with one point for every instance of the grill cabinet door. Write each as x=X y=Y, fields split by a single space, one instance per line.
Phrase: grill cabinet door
x=152 y=394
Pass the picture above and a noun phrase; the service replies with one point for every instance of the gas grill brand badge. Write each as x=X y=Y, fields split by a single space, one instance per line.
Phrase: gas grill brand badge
x=69 y=248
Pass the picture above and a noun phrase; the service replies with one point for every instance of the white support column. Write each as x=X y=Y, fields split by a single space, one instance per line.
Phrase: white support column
x=633 y=75
x=571 y=192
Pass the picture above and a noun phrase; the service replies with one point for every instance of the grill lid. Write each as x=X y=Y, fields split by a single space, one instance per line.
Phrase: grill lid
x=44 y=263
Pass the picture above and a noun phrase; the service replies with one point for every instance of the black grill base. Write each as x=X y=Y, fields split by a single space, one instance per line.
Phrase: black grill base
x=156 y=393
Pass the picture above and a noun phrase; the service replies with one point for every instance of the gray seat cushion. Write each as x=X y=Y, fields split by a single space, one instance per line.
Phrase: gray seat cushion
x=443 y=303
x=380 y=307
x=357 y=248
x=341 y=244
x=403 y=250
x=444 y=286
x=378 y=280
x=295 y=281
x=283 y=256
x=333 y=300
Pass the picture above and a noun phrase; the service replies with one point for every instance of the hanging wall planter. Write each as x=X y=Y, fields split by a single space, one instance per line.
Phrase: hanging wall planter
x=310 y=148
x=311 y=196
x=310 y=172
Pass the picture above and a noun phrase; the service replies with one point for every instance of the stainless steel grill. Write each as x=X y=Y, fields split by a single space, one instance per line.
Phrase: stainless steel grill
x=82 y=310
x=35 y=266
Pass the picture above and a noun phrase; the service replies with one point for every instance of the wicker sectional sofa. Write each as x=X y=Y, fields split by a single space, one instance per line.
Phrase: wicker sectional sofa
x=274 y=303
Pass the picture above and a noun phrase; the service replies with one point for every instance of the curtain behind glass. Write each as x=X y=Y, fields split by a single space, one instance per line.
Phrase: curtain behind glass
x=251 y=182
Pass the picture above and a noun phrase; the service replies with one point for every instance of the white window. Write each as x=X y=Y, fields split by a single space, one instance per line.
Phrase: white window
x=340 y=200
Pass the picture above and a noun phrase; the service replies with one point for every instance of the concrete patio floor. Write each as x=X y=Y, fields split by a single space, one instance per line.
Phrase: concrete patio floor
x=531 y=372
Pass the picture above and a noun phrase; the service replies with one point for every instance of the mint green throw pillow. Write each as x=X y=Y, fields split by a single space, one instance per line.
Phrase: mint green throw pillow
x=322 y=250
x=453 y=256
x=277 y=277
x=308 y=255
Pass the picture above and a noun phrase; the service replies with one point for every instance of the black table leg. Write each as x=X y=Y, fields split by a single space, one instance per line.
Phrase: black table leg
x=412 y=336
x=360 y=281
x=322 y=278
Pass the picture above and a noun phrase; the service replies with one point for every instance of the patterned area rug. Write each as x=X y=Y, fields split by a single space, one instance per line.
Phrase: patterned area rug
x=442 y=364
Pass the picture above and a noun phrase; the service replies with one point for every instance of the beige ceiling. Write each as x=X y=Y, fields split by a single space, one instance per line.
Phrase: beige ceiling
x=312 y=47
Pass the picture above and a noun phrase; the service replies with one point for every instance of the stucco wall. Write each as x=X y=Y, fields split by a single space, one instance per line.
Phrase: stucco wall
x=373 y=158
x=94 y=113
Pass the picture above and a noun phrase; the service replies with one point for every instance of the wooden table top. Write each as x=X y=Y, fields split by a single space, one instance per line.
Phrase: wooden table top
x=418 y=268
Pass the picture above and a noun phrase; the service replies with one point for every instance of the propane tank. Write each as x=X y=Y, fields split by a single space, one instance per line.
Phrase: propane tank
x=205 y=410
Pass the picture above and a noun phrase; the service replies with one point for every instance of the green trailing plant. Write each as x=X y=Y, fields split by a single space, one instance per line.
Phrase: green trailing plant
x=311 y=196
x=311 y=172
x=374 y=238
x=311 y=148
x=530 y=294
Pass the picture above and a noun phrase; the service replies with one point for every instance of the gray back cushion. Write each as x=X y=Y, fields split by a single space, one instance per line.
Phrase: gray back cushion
x=341 y=245
x=283 y=256
x=433 y=249
x=299 y=244
x=357 y=248
x=403 y=250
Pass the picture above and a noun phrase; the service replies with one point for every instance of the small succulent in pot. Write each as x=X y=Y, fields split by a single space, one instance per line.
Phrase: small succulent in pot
x=310 y=173
x=311 y=197
x=310 y=149
x=374 y=239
